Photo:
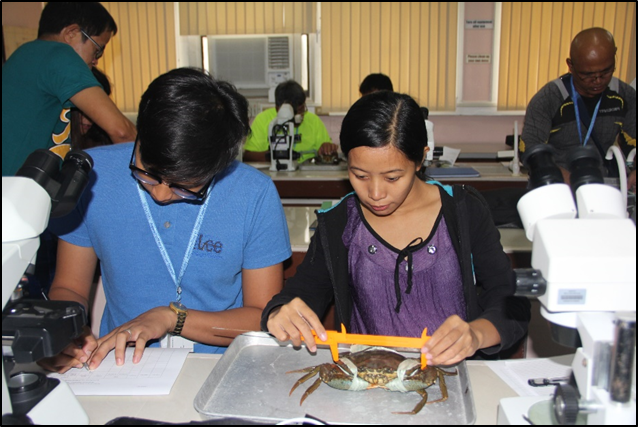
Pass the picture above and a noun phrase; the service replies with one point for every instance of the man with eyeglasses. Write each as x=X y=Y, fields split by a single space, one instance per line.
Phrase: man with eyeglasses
x=44 y=78
x=315 y=139
x=587 y=106
x=191 y=242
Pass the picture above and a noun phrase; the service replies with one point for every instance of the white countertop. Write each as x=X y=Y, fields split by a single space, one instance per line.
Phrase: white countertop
x=299 y=219
x=178 y=407
x=489 y=172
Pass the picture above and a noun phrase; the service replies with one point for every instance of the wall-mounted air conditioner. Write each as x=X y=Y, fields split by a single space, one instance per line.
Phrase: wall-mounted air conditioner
x=250 y=62
x=254 y=63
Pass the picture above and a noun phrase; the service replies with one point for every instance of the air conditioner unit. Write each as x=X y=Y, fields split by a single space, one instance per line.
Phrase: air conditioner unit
x=251 y=61
x=255 y=63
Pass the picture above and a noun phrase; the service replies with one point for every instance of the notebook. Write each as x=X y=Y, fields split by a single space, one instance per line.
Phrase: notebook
x=155 y=374
x=452 y=172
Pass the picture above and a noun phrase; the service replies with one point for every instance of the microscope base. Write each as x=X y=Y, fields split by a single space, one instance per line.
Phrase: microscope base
x=59 y=407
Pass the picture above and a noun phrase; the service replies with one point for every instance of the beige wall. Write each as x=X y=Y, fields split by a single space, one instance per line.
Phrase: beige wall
x=19 y=23
x=536 y=37
x=414 y=43
x=220 y=18
x=24 y=14
x=145 y=47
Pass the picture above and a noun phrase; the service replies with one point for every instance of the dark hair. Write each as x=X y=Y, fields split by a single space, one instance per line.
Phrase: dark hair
x=91 y=17
x=375 y=82
x=290 y=92
x=102 y=79
x=426 y=112
x=95 y=136
x=383 y=118
x=191 y=126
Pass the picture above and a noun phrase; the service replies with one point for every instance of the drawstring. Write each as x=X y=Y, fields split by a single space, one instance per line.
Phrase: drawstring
x=405 y=253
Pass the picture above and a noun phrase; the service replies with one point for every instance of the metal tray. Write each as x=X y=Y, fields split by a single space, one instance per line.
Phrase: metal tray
x=250 y=382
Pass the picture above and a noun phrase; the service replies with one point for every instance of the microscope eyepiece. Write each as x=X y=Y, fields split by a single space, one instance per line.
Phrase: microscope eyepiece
x=543 y=170
x=64 y=184
x=584 y=167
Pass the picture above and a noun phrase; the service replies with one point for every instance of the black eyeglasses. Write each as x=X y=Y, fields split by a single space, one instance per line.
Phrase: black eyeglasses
x=151 y=179
x=100 y=50
x=591 y=77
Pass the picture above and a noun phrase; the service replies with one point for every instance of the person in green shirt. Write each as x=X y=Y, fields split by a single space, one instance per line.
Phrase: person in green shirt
x=314 y=135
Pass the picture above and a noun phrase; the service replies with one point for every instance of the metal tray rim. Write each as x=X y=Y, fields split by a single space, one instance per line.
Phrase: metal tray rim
x=263 y=339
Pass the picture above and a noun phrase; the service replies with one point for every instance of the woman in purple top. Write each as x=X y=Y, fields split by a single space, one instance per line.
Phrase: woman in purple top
x=402 y=253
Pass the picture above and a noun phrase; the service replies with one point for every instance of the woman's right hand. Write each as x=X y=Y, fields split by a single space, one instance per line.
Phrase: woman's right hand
x=74 y=355
x=295 y=321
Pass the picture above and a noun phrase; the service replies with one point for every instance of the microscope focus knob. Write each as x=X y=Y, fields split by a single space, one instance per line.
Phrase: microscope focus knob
x=566 y=404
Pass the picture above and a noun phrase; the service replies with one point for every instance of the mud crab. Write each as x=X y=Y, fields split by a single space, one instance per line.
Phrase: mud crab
x=376 y=367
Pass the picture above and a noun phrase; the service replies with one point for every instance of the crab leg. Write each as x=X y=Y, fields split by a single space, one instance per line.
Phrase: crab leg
x=312 y=371
x=312 y=388
x=420 y=405
x=442 y=385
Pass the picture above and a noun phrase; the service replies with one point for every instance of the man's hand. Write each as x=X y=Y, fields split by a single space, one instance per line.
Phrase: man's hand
x=153 y=324
x=327 y=148
x=74 y=355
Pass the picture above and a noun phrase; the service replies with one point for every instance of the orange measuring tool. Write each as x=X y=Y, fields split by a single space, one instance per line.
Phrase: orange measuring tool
x=335 y=338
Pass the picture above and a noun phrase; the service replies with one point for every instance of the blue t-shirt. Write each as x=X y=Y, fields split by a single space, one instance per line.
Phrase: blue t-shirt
x=38 y=80
x=244 y=226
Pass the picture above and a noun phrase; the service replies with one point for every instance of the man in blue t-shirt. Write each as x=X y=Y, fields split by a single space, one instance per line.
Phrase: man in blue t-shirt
x=44 y=78
x=191 y=243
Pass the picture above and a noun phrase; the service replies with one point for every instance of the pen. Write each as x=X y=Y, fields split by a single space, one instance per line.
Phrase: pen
x=86 y=366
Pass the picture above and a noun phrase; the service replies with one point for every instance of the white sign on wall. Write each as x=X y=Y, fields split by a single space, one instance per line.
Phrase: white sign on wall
x=475 y=58
x=479 y=23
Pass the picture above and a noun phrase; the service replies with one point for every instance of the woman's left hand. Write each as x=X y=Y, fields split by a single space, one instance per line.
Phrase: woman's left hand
x=455 y=340
x=153 y=324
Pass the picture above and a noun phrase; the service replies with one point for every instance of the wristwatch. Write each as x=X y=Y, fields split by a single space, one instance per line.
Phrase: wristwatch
x=181 y=311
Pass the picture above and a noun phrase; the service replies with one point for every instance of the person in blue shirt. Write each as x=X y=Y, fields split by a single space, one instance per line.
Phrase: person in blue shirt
x=190 y=242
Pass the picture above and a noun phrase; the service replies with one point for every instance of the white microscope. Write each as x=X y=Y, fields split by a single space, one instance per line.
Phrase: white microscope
x=429 y=129
x=584 y=274
x=282 y=138
x=34 y=329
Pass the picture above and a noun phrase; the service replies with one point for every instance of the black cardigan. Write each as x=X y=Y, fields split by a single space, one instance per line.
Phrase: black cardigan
x=323 y=276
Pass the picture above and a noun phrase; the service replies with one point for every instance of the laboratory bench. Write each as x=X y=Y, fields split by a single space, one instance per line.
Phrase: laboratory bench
x=485 y=152
x=487 y=387
x=308 y=185
x=177 y=407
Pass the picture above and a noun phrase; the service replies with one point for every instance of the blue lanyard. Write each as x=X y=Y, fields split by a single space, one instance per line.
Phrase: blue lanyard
x=575 y=97
x=162 y=248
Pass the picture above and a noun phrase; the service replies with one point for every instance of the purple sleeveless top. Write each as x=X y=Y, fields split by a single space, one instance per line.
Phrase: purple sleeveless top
x=386 y=301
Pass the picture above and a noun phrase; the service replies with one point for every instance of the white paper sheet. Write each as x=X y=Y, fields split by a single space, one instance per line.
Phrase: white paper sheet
x=155 y=374
x=517 y=372
x=449 y=155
